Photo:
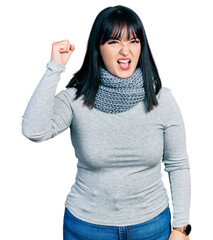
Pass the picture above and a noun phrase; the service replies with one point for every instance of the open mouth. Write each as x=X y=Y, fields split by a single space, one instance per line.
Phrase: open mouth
x=124 y=63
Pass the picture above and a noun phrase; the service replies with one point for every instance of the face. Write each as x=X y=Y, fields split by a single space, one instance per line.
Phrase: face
x=120 y=56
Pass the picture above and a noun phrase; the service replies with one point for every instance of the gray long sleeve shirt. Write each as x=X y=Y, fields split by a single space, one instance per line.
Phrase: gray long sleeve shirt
x=118 y=182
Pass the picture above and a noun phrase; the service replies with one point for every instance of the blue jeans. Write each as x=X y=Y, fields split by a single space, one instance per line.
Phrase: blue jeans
x=158 y=228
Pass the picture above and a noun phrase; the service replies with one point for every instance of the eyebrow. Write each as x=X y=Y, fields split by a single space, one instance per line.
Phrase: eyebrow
x=134 y=38
x=115 y=38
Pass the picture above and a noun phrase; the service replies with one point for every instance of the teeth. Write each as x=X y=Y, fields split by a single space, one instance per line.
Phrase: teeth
x=123 y=61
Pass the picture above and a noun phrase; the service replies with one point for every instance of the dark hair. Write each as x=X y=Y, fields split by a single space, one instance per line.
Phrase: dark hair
x=108 y=24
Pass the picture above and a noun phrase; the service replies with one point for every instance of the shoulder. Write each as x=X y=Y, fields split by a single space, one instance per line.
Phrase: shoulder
x=164 y=93
x=165 y=97
x=67 y=95
x=167 y=101
x=168 y=105
x=71 y=92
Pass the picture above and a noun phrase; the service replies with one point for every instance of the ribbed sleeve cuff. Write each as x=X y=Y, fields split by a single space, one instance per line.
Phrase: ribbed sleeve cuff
x=54 y=66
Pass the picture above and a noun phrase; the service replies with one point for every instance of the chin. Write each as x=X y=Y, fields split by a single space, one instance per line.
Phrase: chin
x=124 y=74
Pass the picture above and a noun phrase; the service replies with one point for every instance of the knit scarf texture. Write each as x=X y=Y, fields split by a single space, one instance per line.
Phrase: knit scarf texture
x=116 y=95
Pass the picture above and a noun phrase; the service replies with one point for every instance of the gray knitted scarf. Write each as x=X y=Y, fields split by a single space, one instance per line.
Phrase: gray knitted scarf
x=116 y=94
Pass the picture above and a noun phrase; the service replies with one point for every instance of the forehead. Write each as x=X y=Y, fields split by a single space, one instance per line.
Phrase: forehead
x=123 y=32
x=116 y=30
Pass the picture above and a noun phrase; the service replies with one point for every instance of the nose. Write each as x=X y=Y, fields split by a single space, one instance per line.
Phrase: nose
x=124 y=50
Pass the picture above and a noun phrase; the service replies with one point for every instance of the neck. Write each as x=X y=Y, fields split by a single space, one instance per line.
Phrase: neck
x=110 y=80
x=116 y=94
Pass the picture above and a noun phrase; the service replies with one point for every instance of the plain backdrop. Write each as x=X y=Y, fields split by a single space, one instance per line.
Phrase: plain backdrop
x=35 y=178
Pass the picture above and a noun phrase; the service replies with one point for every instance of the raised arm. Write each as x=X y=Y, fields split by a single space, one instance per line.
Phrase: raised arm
x=47 y=115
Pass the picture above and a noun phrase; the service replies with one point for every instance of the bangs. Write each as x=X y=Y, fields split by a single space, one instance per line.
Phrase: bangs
x=117 y=24
x=116 y=31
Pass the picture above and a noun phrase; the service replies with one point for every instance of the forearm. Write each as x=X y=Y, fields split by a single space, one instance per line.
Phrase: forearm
x=180 y=183
x=36 y=120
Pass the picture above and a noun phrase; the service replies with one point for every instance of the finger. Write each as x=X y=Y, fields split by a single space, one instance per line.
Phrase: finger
x=61 y=44
x=65 y=47
x=72 y=47
x=63 y=50
x=66 y=40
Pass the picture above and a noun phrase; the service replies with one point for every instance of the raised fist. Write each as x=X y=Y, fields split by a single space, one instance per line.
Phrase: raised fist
x=61 y=51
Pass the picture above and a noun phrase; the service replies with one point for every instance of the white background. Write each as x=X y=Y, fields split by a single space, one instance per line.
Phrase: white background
x=35 y=178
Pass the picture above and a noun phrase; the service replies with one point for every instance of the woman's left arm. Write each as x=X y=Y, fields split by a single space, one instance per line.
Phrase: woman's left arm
x=176 y=163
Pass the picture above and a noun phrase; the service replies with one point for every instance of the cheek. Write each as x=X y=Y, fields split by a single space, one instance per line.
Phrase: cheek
x=137 y=53
x=107 y=56
x=104 y=54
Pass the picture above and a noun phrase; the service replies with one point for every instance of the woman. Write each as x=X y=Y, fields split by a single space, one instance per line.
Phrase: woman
x=122 y=124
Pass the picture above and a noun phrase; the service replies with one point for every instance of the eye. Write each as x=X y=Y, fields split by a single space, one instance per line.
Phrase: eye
x=135 y=40
x=112 y=41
